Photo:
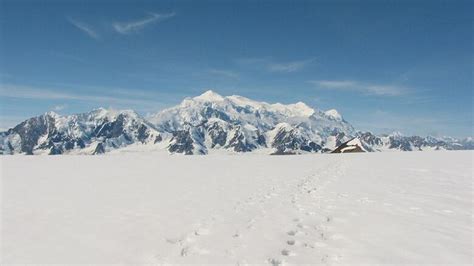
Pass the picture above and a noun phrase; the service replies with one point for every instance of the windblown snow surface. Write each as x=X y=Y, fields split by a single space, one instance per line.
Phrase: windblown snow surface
x=377 y=208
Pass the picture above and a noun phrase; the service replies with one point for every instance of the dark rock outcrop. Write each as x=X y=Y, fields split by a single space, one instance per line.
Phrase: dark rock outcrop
x=31 y=130
x=239 y=143
x=290 y=141
x=218 y=134
x=181 y=143
x=351 y=146
x=99 y=149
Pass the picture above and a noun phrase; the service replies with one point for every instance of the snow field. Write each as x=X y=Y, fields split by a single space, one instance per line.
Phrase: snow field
x=390 y=208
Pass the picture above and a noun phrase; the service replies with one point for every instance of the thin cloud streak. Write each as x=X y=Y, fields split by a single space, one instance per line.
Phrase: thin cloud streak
x=25 y=92
x=356 y=86
x=289 y=67
x=270 y=65
x=84 y=28
x=136 y=25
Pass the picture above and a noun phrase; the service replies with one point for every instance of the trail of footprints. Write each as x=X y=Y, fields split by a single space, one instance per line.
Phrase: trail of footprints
x=304 y=236
x=311 y=235
x=188 y=244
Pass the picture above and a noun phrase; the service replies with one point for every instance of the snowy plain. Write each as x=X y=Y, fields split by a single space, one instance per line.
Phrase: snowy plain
x=155 y=208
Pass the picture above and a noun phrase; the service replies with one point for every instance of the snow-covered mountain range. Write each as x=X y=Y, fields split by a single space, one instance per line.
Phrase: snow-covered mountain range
x=95 y=132
x=206 y=123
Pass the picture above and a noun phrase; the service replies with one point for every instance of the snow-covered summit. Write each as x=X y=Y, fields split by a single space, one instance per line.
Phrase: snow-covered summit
x=51 y=114
x=243 y=124
x=396 y=134
x=333 y=113
x=234 y=108
x=111 y=113
x=298 y=109
x=209 y=96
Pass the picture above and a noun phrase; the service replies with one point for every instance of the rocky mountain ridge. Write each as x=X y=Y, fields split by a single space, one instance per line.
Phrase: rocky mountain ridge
x=206 y=123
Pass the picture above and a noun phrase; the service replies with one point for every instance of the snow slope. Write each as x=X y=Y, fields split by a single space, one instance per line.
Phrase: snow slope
x=371 y=208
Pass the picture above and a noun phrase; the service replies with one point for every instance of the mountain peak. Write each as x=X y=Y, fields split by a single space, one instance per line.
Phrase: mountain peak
x=52 y=114
x=303 y=108
x=333 y=113
x=209 y=95
x=396 y=134
x=102 y=112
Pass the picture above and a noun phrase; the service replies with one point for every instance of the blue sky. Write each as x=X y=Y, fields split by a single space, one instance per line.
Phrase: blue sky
x=385 y=65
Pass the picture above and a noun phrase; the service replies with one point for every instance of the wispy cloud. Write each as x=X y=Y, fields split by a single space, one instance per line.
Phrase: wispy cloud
x=84 y=28
x=271 y=65
x=289 y=67
x=27 y=92
x=224 y=73
x=362 y=87
x=136 y=25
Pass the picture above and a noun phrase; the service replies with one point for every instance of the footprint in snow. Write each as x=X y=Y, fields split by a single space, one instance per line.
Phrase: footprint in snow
x=179 y=240
x=275 y=262
x=301 y=226
x=286 y=252
x=186 y=251
x=201 y=232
